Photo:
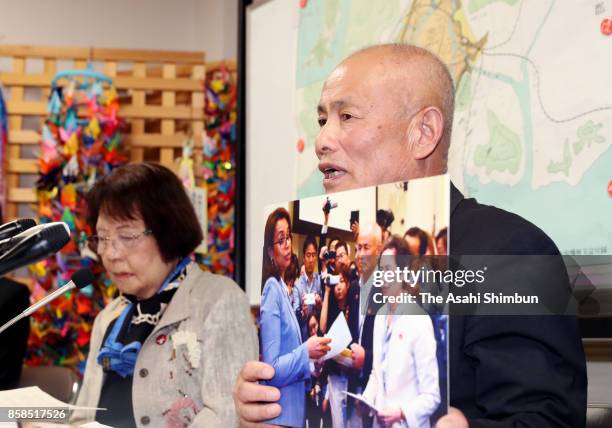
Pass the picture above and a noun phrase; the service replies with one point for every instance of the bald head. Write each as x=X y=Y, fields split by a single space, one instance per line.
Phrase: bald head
x=420 y=77
x=371 y=233
x=369 y=246
x=386 y=115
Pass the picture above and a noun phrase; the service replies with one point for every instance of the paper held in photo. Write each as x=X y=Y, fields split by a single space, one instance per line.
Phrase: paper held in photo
x=340 y=336
x=363 y=400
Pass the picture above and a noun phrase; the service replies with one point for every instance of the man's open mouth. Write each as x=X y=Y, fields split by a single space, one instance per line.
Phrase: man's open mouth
x=330 y=171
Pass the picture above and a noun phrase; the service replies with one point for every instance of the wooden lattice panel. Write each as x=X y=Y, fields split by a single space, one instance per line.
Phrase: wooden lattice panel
x=159 y=108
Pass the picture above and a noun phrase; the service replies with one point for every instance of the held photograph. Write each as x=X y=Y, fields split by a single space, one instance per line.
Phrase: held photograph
x=341 y=360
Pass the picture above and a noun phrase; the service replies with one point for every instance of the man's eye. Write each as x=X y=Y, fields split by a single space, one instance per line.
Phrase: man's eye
x=322 y=121
x=126 y=238
x=345 y=116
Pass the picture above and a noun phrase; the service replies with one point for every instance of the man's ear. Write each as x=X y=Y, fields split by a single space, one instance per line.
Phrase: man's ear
x=426 y=132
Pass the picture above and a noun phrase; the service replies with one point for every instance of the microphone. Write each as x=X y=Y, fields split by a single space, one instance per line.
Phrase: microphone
x=80 y=279
x=42 y=243
x=15 y=227
x=11 y=241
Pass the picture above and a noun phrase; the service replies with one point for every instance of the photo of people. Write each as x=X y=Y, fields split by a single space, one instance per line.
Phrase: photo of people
x=340 y=358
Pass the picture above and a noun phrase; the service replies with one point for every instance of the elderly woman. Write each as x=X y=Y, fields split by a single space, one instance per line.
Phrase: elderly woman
x=167 y=350
x=281 y=339
x=403 y=384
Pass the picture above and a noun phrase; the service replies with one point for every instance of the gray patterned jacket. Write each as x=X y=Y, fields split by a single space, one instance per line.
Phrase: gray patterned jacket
x=186 y=368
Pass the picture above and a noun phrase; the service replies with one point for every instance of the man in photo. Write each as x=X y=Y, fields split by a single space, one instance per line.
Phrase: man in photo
x=308 y=284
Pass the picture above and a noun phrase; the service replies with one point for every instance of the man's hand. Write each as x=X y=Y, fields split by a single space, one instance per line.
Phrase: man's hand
x=358 y=356
x=387 y=417
x=454 y=419
x=248 y=395
x=318 y=302
x=360 y=408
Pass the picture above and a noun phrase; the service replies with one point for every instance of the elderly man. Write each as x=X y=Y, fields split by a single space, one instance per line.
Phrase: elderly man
x=386 y=115
x=369 y=247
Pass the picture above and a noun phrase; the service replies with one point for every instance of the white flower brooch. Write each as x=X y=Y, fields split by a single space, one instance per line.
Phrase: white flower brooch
x=190 y=340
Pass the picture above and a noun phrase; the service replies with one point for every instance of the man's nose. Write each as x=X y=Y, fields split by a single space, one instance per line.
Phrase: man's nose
x=327 y=139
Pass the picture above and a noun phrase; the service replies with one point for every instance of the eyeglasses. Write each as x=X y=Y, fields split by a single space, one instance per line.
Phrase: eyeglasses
x=123 y=241
x=283 y=241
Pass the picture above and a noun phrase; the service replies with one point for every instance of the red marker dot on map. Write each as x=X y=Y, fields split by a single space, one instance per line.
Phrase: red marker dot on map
x=300 y=145
x=303 y=4
x=606 y=26
x=610 y=188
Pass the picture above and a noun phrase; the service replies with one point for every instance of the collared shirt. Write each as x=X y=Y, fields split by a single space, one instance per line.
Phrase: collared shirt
x=304 y=287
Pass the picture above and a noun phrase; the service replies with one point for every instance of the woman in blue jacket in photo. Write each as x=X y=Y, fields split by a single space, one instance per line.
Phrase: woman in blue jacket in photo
x=281 y=340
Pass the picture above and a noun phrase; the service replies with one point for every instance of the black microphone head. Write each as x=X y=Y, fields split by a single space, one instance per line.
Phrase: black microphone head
x=15 y=227
x=45 y=242
x=56 y=235
x=82 y=278
x=25 y=223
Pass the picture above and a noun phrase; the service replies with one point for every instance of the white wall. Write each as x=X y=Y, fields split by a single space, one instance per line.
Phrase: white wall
x=208 y=25
x=216 y=27
x=271 y=163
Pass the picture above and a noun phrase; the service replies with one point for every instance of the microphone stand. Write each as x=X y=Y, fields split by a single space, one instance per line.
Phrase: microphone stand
x=29 y=311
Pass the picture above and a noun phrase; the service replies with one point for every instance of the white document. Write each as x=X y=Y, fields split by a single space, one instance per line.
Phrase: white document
x=309 y=298
x=94 y=424
x=362 y=399
x=33 y=396
x=340 y=336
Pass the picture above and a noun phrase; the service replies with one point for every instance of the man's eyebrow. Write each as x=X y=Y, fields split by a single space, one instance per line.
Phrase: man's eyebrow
x=338 y=104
